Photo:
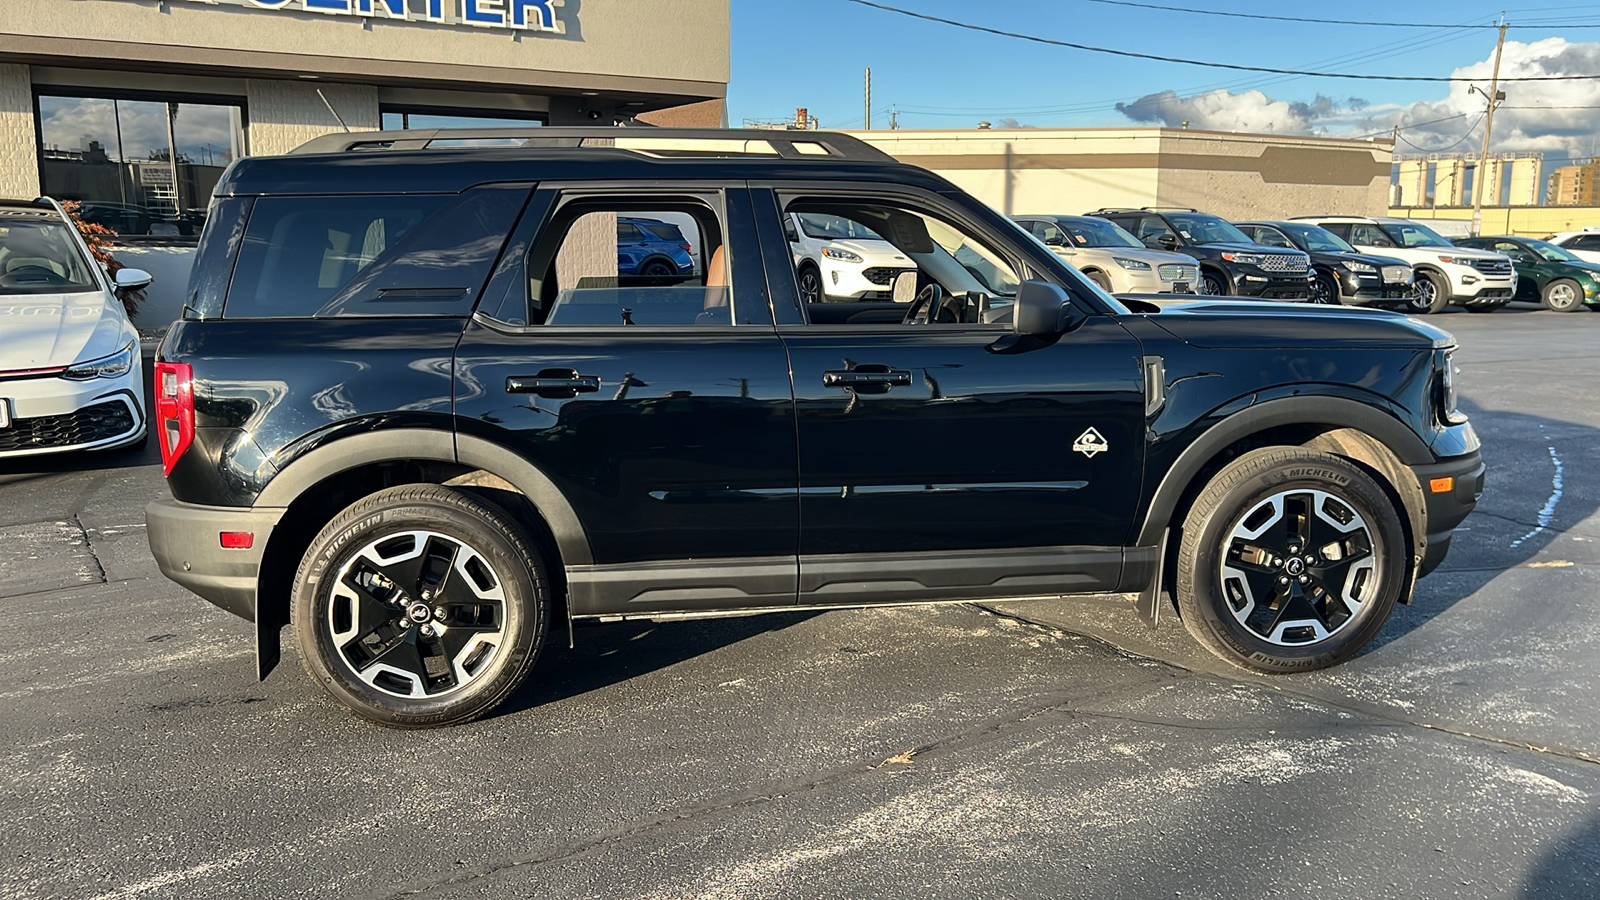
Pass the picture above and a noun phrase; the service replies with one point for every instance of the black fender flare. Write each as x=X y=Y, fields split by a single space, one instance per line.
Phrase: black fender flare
x=1337 y=412
x=1206 y=265
x=433 y=445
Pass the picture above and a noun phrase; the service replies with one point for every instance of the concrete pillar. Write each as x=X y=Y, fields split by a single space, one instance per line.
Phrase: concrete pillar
x=19 y=149
x=285 y=114
x=1413 y=182
x=1526 y=180
x=1448 y=178
x=1493 y=172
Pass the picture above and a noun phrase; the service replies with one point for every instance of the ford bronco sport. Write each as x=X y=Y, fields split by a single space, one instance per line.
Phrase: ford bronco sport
x=414 y=410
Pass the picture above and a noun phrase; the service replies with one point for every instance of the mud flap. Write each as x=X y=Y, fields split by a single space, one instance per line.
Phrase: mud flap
x=1150 y=599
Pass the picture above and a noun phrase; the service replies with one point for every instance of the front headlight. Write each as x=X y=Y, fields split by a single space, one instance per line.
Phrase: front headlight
x=1248 y=259
x=1361 y=268
x=1456 y=260
x=105 y=367
x=1447 y=389
x=1130 y=263
x=840 y=255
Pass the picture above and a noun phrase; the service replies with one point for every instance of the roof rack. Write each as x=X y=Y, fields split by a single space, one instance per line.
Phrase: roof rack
x=663 y=142
x=1129 y=209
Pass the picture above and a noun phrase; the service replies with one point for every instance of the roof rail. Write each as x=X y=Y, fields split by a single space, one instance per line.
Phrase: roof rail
x=1168 y=209
x=666 y=142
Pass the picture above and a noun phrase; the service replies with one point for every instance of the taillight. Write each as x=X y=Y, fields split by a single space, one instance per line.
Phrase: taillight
x=174 y=411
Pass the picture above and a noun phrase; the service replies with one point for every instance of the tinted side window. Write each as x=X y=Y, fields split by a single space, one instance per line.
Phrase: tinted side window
x=372 y=255
x=213 y=260
x=1585 y=242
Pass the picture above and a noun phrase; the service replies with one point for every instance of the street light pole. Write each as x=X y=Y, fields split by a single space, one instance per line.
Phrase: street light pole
x=1494 y=96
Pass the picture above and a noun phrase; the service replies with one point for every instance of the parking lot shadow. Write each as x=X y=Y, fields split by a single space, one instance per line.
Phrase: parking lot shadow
x=1535 y=487
x=1571 y=868
x=611 y=653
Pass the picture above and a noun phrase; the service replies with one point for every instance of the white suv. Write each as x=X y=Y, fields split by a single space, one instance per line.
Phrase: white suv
x=838 y=258
x=1477 y=279
x=1584 y=244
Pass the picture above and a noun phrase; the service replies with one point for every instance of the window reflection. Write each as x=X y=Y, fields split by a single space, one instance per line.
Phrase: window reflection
x=139 y=167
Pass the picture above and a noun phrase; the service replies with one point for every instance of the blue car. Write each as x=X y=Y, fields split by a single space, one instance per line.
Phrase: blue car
x=652 y=248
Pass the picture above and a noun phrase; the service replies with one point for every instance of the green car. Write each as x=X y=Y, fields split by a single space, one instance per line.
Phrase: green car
x=1546 y=273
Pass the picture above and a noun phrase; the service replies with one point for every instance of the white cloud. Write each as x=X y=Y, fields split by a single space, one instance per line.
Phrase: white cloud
x=1532 y=118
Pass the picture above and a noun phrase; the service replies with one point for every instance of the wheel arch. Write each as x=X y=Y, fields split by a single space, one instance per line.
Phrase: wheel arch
x=1206 y=265
x=318 y=485
x=1348 y=428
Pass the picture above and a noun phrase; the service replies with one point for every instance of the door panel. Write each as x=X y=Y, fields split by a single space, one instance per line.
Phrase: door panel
x=675 y=445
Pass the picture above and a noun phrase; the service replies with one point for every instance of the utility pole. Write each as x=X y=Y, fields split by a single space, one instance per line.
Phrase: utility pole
x=1494 y=95
x=869 y=98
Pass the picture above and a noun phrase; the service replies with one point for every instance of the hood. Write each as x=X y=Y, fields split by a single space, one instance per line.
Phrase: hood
x=1468 y=252
x=39 y=331
x=1371 y=259
x=875 y=253
x=1236 y=247
x=1239 y=324
x=1153 y=257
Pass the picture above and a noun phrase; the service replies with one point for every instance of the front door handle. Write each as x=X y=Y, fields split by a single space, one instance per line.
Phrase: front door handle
x=554 y=383
x=865 y=376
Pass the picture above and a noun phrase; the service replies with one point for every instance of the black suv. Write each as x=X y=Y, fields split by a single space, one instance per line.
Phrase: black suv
x=1340 y=272
x=1230 y=263
x=413 y=408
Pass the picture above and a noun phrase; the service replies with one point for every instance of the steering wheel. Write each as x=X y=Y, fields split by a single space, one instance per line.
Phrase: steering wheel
x=925 y=307
x=25 y=275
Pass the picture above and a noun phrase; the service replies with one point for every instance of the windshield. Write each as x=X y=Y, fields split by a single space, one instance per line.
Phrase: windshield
x=1095 y=232
x=1552 y=252
x=1199 y=228
x=835 y=228
x=1315 y=239
x=40 y=256
x=1410 y=234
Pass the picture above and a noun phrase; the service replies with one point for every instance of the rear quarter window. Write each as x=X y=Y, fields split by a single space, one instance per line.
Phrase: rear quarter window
x=383 y=255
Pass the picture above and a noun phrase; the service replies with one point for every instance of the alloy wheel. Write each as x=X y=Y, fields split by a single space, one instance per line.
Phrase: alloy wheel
x=1299 y=566
x=417 y=614
x=1561 y=297
x=810 y=286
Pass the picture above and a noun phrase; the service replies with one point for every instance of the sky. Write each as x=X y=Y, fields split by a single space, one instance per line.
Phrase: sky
x=811 y=53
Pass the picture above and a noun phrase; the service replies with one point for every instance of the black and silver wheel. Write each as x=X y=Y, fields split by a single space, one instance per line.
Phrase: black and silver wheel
x=658 y=268
x=1212 y=284
x=1324 y=289
x=810 y=278
x=1430 y=293
x=1562 y=295
x=420 y=606
x=1291 y=560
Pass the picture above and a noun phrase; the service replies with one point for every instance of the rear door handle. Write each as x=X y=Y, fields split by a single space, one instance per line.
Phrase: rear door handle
x=866 y=375
x=553 y=383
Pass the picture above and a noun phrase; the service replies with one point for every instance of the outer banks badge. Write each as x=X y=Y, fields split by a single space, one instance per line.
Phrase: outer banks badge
x=1090 y=442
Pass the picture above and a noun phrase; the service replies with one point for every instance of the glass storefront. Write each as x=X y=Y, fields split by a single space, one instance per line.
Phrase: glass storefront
x=139 y=164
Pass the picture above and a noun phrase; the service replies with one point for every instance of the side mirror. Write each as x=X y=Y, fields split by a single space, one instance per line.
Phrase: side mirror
x=1041 y=309
x=132 y=279
x=1054 y=241
x=1161 y=242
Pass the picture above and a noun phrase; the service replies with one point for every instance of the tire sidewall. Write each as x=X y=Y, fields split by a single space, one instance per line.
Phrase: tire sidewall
x=520 y=581
x=814 y=272
x=1321 y=472
x=1577 y=295
x=1441 y=294
x=1213 y=285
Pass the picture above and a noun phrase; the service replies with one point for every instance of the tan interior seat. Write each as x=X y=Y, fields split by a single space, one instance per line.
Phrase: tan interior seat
x=717 y=280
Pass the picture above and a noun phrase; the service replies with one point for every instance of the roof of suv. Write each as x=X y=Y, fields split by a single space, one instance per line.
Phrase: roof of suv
x=449 y=161
x=1334 y=219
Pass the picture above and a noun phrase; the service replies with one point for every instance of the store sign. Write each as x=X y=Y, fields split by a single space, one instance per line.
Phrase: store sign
x=519 y=15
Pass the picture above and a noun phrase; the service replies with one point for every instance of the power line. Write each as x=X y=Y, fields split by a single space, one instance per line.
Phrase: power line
x=1393 y=128
x=1463 y=139
x=1194 y=62
x=1239 y=15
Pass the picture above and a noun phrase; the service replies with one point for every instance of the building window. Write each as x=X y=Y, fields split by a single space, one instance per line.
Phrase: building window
x=140 y=165
x=395 y=118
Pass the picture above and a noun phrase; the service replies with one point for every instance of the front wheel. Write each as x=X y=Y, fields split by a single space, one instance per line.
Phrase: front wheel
x=1213 y=284
x=810 y=278
x=1291 y=560
x=1430 y=293
x=1101 y=280
x=1562 y=295
x=420 y=606
x=1324 y=289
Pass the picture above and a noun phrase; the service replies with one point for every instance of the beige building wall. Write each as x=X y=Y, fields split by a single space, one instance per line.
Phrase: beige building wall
x=1525 y=221
x=19 y=156
x=1071 y=171
x=286 y=114
x=1493 y=173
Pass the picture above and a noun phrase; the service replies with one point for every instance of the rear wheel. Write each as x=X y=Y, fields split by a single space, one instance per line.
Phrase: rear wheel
x=1430 y=293
x=420 y=606
x=1562 y=295
x=1291 y=560
x=658 y=268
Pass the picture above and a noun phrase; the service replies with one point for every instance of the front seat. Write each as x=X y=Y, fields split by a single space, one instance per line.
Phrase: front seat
x=716 y=310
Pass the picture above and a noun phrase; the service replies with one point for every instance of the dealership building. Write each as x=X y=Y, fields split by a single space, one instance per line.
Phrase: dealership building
x=134 y=107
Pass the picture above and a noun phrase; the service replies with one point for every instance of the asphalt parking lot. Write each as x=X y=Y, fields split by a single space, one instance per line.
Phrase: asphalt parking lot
x=1044 y=747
